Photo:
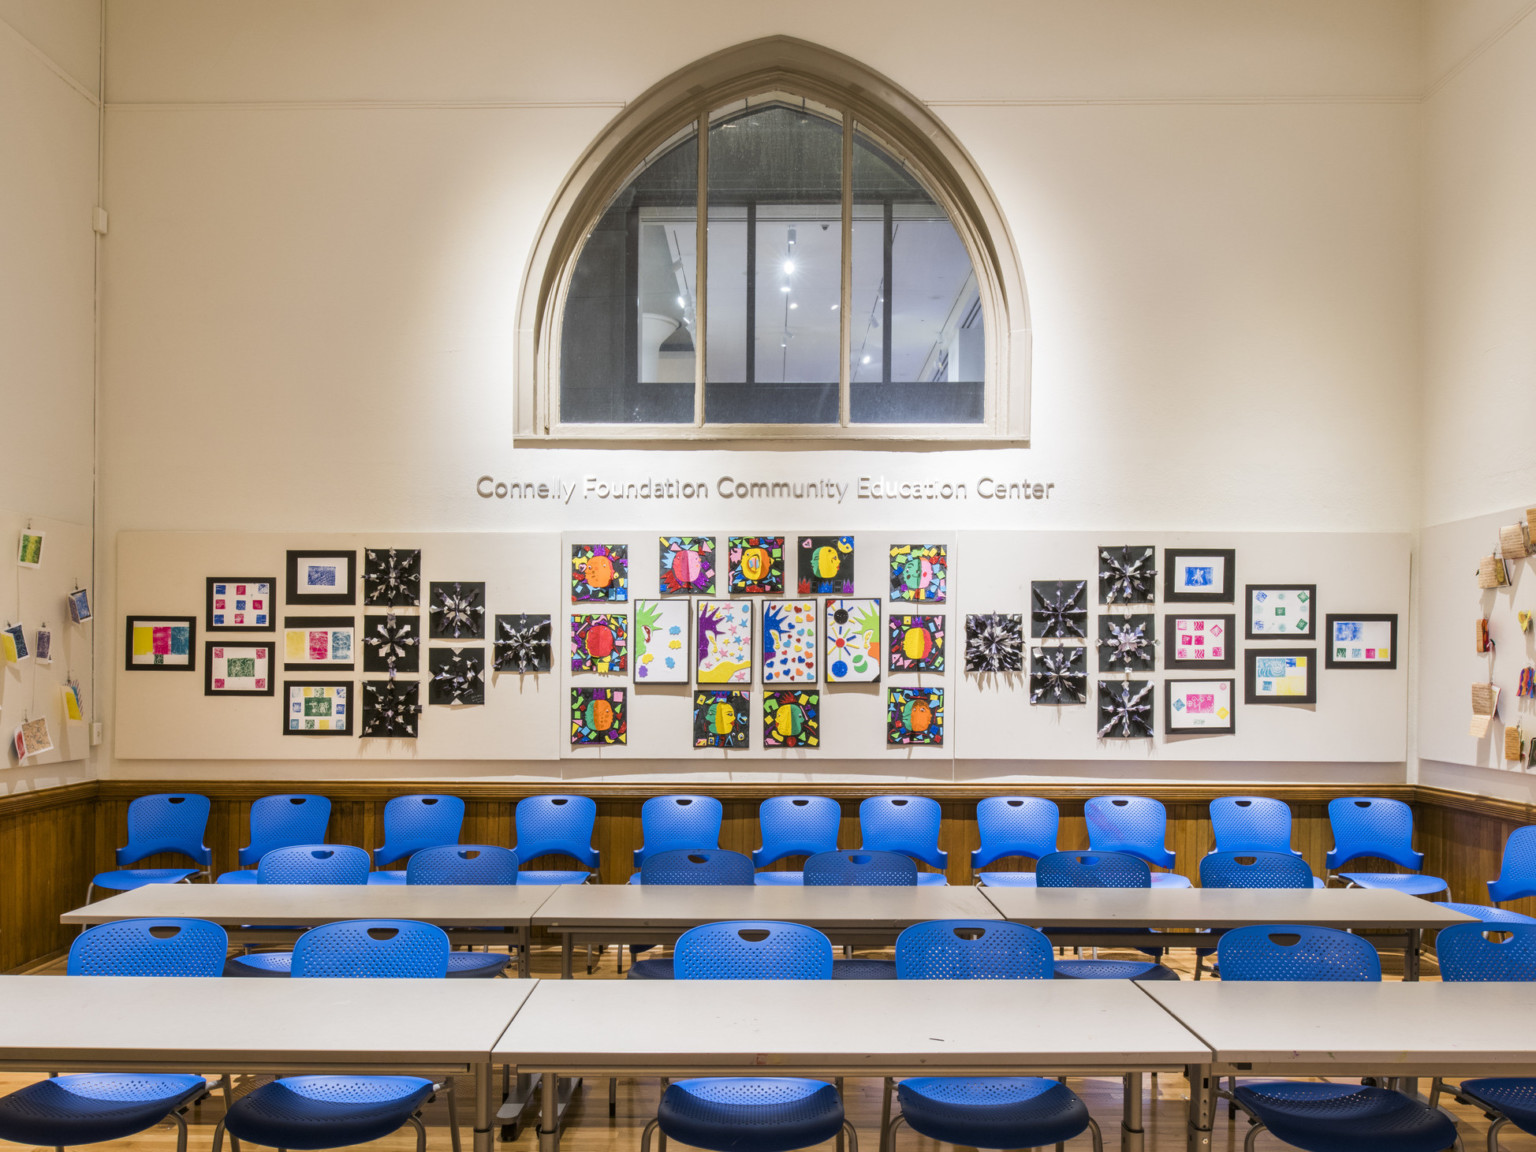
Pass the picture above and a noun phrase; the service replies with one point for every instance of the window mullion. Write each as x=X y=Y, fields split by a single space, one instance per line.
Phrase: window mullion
x=845 y=298
x=701 y=278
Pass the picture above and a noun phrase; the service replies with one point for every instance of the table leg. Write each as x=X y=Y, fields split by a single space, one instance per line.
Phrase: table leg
x=524 y=947
x=483 y=1108
x=1199 y=1108
x=1411 y=954
x=566 y=948
x=549 y=1121
x=1132 y=1136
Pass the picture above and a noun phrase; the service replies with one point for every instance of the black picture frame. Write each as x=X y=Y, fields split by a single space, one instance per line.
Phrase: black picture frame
x=291 y=584
x=1171 y=729
x=1171 y=566
x=239 y=642
x=1251 y=657
x=128 y=626
x=1171 y=661
x=352 y=707
x=1330 y=660
x=209 y=625
x=300 y=623
x=1292 y=637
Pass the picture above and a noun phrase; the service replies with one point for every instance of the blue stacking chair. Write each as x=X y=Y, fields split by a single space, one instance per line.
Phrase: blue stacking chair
x=310 y=1112
x=1490 y=915
x=166 y=822
x=1254 y=823
x=1517 y=873
x=905 y=824
x=412 y=823
x=1137 y=826
x=282 y=821
x=466 y=864
x=1254 y=868
x=982 y=1111
x=1014 y=826
x=297 y=864
x=850 y=867
x=794 y=826
x=555 y=825
x=1314 y=1116
x=712 y=866
x=92 y=1107
x=668 y=823
x=1101 y=870
x=1365 y=826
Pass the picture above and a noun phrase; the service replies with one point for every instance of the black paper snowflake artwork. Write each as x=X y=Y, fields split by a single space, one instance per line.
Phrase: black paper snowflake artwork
x=391 y=644
x=522 y=643
x=390 y=708
x=1127 y=643
x=457 y=610
x=458 y=676
x=1060 y=610
x=1125 y=709
x=1127 y=575
x=994 y=642
x=392 y=577
x=1059 y=675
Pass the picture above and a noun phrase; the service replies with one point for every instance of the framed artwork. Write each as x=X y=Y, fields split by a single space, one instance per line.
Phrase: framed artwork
x=789 y=641
x=317 y=708
x=1125 y=709
x=994 y=642
x=723 y=642
x=598 y=716
x=756 y=565
x=391 y=708
x=311 y=642
x=1281 y=611
x=523 y=643
x=321 y=577
x=1199 y=575
x=600 y=643
x=1199 y=642
x=391 y=579
x=599 y=572
x=1127 y=575
x=237 y=604
x=1199 y=706
x=916 y=643
x=79 y=602
x=160 y=644
x=919 y=572
x=720 y=719
x=456 y=610
x=1361 y=640
x=825 y=566
x=457 y=676
x=1059 y=675
x=1281 y=675
x=1127 y=643
x=1059 y=609
x=853 y=641
x=792 y=719
x=239 y=668
x=661 y=641
x=687 y=565
x=391 y=644
x=914 y=716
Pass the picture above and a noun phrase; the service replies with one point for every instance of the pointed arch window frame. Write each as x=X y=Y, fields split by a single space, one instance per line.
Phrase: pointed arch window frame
x=864 y=98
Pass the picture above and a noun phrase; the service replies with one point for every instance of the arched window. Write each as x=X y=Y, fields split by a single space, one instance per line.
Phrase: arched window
x=775 y=242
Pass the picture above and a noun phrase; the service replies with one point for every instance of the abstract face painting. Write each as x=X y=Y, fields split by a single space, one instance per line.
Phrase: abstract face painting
x=720 y=719
x=757 y=565
x=919 y=572
x=723 y=642
x=687 y=565
x=825 y=565
x=600 y=643
x=914 y=716
x=792 y=719
x=599 y=572
x=789 y=641
x=917 y=643
x=853 y=641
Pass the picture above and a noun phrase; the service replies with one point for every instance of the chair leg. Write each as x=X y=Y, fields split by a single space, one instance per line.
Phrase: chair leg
x=888 y=1137
x=453 y=1114
x=1095 y=1135
x=218 y=1136
x=853 y=1136
x=1435 y=1087
x=1252 y=1138
x=613 y=1096
x=838 y=1084
x=229 y=1102
x=421 y=1134
x=181 y=1131
x=1493 y=1134
x=661 y=1143
x=885 y=1112
x=645 y=1137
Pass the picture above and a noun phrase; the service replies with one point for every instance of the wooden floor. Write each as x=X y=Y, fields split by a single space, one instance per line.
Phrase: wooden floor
x=589 y=1128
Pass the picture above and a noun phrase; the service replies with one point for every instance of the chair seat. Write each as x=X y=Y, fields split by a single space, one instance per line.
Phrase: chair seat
x=1008 y=879
x=1513 y=1096
x=635 y=879
x=650 y=970
x=930 y=879
x=266 y=964
x=863 y=968
x=1170 y=880
x=992 y=1111
x=326 y=1111
x=738 y=1114
x=131 y=878
x=1321 y=1117
x=92 y=1107
x=476 y=965
x=386 y=877
x=1409 y=882
x=1483 y=912
x=556 y=877
x=784 y=878
x=1112 y=970
x=245 y=876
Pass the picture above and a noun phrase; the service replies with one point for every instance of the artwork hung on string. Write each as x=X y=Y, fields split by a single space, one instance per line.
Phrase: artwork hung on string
x=687 y=565
x=1127 y=575
x=1125 y=709
x=1199 y=575
x=1060 y=609
x=914 y=716
x=391 y=708
x=29 y=550
x=321 y=577
x=723 y=642
x=1059 y=675
x=74 y=702
x=42 y=645
x=825 y=566
x=456 y=610
x=234 y=604
x=392 y=644
x=523 y=643
x=14 y=642
x=1361 y=640
x=32 y=738
x=792 y=719
x=994 y=642
x=160 y=644
x=79 y=602
x=1127 y=643
x=317 y=708
x=1281 y=675
x=238 y=667
x=319 y=642
x=599 y=572
x=1199 y=706
x=919 y=572
x=600 y=643
x=789 y=641
x=661 y=641
x=853 y=641
x=598 y=716
x=756 y=565
x=720 y=718
x=1201 y=643
x=457 y=676
x=392 y=578
x=916 y=643
x=1281 y=611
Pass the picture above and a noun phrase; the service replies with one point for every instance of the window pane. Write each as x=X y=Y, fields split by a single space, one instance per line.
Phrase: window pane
x=918 y=348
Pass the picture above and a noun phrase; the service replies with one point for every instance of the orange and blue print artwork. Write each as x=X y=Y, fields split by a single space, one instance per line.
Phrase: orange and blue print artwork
x=720 y=719
x=919 y=572
x=687 y=565
x=599 y=572
x=791 y=719
x=598 y=716
x=914 y=716
x=825 y=565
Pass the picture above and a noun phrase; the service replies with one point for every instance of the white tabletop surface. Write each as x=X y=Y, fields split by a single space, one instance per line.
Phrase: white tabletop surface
x=859 y=1027
x=684 y=905
x=447 y=906
x=1219 y=907
x=215 y=1025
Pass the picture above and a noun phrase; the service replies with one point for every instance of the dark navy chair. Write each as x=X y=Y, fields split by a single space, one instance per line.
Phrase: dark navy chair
x=1101 y=870
x=794 y=826
x=1517 y=873
x=905 y=824
x=166 y=822
x=1014 y=826
x=1370 y=827
x=412 y=823
x=668 y=823
x=556 y=825
x=1137 y=826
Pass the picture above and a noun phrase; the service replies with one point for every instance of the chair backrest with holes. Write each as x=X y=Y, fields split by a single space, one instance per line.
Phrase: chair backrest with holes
x=166 y=822
x=1092 y=870
x=412 y=823
x=905 y=824
x=1517 y=872
x=314 y=864
x=1251 y=824
x=796 y=826
x=1015 y=826
x=462 y=864
x=668 y=823
x=714 y=866
x=752 y=950
x=973 y=950
x=1371 y=826
x=1254 y=869
x=1137 y=825
x=373 y=949
x=282 y=821
x=1491 y=952
x=1296 y=952
x=556 y=825
x=854 y=867
x=150 y=947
